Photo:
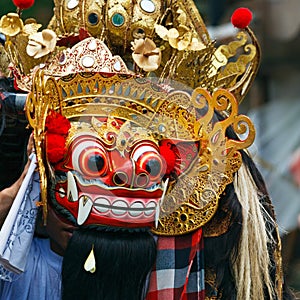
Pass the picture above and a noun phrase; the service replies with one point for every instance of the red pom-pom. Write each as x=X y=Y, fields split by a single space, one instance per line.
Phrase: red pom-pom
x=23 y=4
x=56 y=123
x=55 y=147
x=241 y=17
x=169 y=156
x=57 y=127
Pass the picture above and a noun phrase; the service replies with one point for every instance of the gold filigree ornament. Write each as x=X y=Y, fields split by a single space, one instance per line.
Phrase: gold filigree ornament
x=208 y=159
x=4 y=61
x=89 y=55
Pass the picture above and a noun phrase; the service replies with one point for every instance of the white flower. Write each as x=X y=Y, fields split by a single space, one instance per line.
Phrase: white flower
x=41 y=43
x=146 y=55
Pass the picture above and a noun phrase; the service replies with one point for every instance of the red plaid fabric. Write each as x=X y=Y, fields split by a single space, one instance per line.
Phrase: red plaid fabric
x=178 y=273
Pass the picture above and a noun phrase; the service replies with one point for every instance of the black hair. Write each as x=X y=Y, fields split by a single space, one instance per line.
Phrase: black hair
x=123 y=261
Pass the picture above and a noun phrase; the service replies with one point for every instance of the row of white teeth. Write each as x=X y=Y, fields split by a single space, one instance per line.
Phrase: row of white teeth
x=118 y=208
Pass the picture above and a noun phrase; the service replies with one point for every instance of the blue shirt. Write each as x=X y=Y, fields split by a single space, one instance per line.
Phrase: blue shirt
x=41 y=279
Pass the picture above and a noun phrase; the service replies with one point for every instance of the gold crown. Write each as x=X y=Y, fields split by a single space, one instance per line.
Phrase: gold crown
x=154 y=38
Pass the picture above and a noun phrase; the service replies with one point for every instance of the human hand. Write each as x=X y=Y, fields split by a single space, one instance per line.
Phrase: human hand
x=30 y=145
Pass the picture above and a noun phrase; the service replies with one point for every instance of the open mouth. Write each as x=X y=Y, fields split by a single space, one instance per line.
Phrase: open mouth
x=98 y=199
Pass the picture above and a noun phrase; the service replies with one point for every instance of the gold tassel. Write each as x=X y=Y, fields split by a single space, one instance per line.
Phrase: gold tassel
x=90 y=263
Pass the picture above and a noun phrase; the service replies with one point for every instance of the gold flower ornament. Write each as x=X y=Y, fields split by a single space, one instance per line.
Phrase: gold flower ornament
x=11 y=24
x=180 y=39
x=146 y=55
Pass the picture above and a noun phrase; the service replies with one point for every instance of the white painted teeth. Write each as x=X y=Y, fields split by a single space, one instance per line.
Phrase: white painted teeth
x=84 y=208
x=120 y=207
x=117 y=207
x=137 y=208
x=72 y=192
x=160 y=203
x=119 y=204
x=102 y=205
x=150 y=208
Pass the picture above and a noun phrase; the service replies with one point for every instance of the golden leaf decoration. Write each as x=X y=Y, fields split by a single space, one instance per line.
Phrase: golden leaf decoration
x=31 y=28
x=162 y=32
x=182 y=19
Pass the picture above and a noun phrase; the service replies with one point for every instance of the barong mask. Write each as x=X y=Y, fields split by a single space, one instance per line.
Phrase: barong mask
x=145 y=145
x=138 y=153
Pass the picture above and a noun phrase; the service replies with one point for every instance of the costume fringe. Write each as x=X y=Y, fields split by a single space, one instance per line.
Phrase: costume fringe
x=253 y=262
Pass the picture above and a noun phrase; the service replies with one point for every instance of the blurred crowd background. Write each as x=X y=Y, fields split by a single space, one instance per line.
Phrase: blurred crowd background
x=273 y=103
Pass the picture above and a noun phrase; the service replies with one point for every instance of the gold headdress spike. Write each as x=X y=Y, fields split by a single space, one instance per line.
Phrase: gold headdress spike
x=162 y=38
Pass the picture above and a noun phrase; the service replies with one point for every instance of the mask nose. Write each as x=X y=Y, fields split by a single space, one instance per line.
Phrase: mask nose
x=150 y=168
x=122 y=174
x=140 y=174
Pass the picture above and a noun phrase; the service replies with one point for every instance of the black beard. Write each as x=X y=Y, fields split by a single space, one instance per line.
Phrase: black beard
x=123 y=261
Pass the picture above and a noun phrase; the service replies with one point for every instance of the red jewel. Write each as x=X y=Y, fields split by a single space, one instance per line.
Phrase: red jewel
x=241 y=17
x=23 y=4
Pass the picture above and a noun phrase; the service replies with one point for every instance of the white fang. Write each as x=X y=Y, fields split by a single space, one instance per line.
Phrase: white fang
x=72 y=192
x=84 y=208
x=160 y=203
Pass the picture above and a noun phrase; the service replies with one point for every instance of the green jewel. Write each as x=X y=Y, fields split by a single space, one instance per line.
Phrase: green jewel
x=118 y=19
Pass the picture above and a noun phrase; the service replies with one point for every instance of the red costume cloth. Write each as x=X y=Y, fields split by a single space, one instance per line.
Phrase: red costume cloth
x=178 y=273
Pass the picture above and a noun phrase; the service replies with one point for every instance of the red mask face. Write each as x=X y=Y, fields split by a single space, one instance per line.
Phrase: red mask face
x=115 y=178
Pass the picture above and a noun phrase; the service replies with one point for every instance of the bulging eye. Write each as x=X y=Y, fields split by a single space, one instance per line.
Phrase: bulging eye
x=149 y=160
x=90 y=159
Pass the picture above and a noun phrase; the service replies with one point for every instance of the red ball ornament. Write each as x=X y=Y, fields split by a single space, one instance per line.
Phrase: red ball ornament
x=23 y=4
x=241 y=17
